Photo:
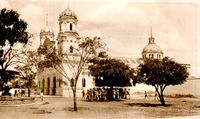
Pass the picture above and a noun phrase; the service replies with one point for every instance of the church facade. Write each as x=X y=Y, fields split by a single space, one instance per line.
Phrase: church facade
x=50 y=80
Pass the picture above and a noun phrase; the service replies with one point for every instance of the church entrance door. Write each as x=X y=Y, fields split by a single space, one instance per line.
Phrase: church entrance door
x=54 y=86
x=48 y=86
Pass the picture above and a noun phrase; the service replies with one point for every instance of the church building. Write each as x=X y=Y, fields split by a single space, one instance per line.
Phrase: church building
x=50 y=80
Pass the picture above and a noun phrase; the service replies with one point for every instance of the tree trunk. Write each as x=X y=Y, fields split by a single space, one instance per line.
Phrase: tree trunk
x=111 y=93
x=160 y=94
x=74 y=99
x=29 y=92
x=29 y=86
x=3 y=78
x=162 y=100
x=5 y=88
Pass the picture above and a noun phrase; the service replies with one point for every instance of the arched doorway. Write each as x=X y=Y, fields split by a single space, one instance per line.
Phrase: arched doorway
x=54 y=86
x=43 y=83
x=48 y=86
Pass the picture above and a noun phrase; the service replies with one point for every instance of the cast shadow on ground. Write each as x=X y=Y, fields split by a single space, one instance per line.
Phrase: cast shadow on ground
x=41 y=111
x=147 y=105
x=71 y=109
x=119 y=100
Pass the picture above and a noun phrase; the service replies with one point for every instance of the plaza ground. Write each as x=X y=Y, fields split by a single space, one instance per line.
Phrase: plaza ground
x=135 y=108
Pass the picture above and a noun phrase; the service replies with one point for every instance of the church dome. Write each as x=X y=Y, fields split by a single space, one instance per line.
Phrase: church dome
x=69 y=13
x=152 y=48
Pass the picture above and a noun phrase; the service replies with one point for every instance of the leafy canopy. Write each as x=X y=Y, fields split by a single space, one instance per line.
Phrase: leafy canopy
x=111 y=72
x=12 y=32
x=12 y=29
x=76 y=63
x=163 y=72
x=28 y=68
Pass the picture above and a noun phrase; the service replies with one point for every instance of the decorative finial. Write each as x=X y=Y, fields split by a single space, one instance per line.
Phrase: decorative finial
x=67 y=3
x=46 y=19
x=151 y=39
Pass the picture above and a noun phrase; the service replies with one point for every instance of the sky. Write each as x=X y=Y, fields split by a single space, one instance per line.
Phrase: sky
x=124 y=25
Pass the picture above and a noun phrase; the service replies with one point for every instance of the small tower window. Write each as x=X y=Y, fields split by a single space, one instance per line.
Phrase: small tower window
x=83 y=82
x=71 y=48
x=70 y=26
x=59 y=82
x=158 y=56
x=149 y=55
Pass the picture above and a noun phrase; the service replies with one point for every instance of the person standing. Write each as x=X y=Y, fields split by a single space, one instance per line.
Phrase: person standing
x=83 y=94
x=145 y=95
x=156 y=95
x=41 y=95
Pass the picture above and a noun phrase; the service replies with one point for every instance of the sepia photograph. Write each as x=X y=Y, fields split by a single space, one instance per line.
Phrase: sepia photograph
x=99 y=59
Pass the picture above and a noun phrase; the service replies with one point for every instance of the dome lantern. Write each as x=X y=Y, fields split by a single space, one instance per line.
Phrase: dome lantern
x=152 y=50
x=46 y=32
x=68 y=13
x=46 y=29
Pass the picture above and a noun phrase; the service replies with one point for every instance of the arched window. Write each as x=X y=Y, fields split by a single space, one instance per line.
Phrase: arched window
x=70 y=26
x=83 y=82
x=71 y=48
x=59 y=82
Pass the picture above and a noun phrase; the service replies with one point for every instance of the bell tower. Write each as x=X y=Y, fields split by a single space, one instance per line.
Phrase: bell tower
x=67 y=21
x=67 y=36
x=46 y=32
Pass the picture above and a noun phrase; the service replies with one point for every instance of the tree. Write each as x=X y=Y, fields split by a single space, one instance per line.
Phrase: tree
x=162 y=73
x=28 y=68
x=9 y=75
x=76 y=63
x=12 y=32
x=111 y=72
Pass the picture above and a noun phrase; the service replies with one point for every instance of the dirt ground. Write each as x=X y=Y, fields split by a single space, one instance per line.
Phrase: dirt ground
x=61 y=108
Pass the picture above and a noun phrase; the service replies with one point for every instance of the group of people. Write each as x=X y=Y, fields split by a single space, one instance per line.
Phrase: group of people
x=19 y=92
x=146 y=96
x=106 y=93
